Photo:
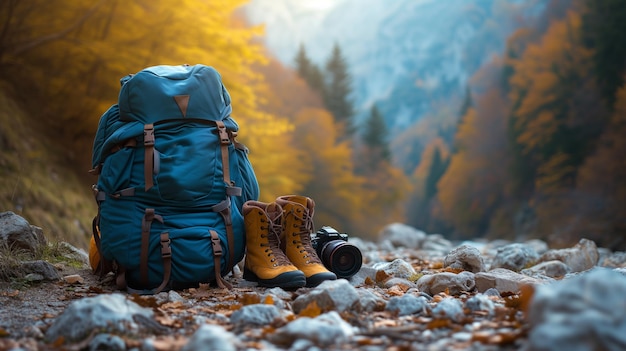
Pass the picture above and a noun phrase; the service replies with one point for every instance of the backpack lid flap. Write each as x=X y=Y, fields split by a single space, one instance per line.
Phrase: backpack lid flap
x=174 y=92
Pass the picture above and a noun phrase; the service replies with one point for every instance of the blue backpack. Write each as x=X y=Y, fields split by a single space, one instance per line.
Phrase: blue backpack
x=172 y=180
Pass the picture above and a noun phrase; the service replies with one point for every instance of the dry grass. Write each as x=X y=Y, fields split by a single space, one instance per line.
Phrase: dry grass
x=35 y=184
x=11 y=259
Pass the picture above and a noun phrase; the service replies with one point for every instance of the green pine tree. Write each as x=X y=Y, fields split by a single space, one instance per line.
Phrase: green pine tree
x=308 y=71
x=338 y=91
x=375 y=140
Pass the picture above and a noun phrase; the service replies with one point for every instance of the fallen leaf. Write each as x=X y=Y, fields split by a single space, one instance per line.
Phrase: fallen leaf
x=167 y=321
x=250 y=299
x=382 y=276
x=395 y=291
x=168 y=343
x=311 y=310
x=177 y=306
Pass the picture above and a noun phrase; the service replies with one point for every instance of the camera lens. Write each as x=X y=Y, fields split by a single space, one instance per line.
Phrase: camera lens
x=342 y=258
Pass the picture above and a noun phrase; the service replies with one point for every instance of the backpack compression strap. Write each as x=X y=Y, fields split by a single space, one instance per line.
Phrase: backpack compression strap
x=225 y=141
x=223 y=208
x=166 y=250
x=148 y=163
x=217 y=257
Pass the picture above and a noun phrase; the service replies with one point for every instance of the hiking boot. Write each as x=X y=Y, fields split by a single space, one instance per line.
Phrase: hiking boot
x=296 y=238
x=265 y=262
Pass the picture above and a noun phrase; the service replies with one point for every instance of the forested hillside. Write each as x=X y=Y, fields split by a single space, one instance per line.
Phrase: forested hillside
x=536 y=151
x=64 y=63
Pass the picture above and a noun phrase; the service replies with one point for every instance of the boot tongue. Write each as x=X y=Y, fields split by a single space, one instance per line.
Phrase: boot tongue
x=302 y=200
x=274 y=211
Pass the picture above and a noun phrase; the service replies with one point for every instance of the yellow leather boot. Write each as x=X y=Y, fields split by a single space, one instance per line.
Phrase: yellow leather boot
x=296 y=238
x=265 y=262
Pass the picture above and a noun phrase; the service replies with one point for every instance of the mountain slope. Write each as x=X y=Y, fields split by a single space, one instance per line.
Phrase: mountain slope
x=406 y=56
x=35 y=184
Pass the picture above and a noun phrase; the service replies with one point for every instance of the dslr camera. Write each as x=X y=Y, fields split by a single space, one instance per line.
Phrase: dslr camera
x=339 y=256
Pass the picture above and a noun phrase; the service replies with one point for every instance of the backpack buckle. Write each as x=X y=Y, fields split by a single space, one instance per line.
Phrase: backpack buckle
x=223 y=133
x=217 y=245
x=166 y=249
x=148 y=135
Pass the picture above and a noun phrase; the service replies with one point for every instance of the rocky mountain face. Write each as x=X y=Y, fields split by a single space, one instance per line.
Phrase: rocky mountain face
x=406 y=56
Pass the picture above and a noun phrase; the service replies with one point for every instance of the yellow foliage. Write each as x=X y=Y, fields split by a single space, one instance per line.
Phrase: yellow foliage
x=540 y=82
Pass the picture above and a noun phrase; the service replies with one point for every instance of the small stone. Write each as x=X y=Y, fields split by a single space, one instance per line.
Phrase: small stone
x=579 y=258
x=465 y=257
x=450 y=308
x=407 y=305
x=503 y=280
x=74 y=279
x=396 y=268
x=402 y=235
x=454 y=284
x=515 y=257
x=552 y=269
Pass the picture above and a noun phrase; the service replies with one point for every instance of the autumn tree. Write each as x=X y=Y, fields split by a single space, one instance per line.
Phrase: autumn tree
x=69 y=57
x=557 y=118
x=473 y=186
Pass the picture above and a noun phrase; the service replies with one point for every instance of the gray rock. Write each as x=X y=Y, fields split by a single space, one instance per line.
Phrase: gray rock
x=503 y=280
x=396 y=268
x=480 y=302
x=492 y=292
x=33 y=277
x=368 y=301
x=75 y=253
x=491 y=248
x=465 y=257
x=330 y=295
x=210 y=337
x=107 y=342
x=579 y=258
x=433 y=284
x=552 y=269
x=324 y=330
x=515 y=257
x=585 y=312
x=43 y=268
x=16 y=232
x=437 y=244
x=614 y=260
x=402 y=235
x=450 y=308
x=38 y=233
x=538 y=245
x=255 y=315
x=361 y=276
x=111 y=313
x=407 y=304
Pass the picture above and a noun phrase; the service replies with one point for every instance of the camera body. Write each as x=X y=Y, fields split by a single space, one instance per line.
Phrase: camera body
x=333 y=249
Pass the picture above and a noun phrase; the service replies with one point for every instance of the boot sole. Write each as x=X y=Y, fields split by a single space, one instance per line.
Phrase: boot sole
x=317 y=279
x=287 y=280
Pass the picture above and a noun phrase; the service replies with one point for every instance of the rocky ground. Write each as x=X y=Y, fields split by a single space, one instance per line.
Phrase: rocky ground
x=415 y=291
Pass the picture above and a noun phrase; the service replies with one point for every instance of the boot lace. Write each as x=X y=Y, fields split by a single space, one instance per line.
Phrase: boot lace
x=302 y=238
x=273 y=250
